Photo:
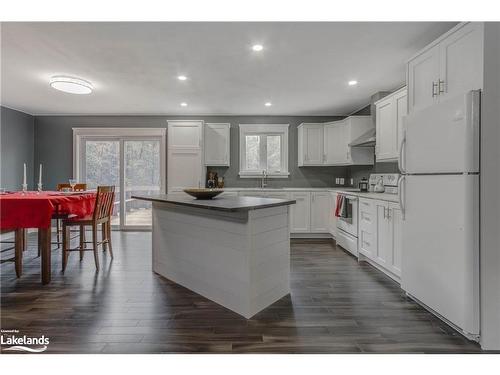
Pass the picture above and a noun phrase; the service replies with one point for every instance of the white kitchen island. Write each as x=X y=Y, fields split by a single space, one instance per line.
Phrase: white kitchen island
x=232 y=250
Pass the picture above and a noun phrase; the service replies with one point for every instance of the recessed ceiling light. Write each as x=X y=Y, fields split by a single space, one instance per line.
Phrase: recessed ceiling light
x=71 y=85
x=182 y=78
x=352 y=83
x=257 y=47
x=184 y=104
x=268 y=104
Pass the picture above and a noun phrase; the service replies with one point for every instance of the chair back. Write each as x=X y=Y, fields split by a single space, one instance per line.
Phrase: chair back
x=78 y=187
x=104 y=202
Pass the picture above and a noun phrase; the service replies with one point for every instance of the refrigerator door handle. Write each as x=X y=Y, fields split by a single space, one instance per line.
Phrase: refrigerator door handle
x=400 y=196
x=400 y=159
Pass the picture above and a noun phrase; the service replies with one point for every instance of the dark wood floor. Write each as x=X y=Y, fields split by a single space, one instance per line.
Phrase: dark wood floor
x=336 y=306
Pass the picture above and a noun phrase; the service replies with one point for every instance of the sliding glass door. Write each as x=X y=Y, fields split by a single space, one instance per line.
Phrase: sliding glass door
x=100 y=161
x=141 y=176
x=133 y=163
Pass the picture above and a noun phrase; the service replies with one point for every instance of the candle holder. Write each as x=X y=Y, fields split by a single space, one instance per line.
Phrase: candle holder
x=25 y=188
x=40 y=187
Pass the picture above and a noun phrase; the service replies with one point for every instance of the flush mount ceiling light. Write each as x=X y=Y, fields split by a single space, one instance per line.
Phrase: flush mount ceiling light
x=257 y=47
x=181 y=78
x=352 y=83
x=71 y=85
x=184 y=104
x=268 y=104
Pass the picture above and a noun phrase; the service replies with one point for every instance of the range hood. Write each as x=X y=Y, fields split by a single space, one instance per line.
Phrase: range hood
x=365 y=140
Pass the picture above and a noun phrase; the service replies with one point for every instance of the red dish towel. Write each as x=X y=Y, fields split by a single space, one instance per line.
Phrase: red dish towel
x=338 y=205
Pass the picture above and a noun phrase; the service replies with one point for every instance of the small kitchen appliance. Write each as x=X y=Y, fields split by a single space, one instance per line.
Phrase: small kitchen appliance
x=384 y=183
x=363 y=184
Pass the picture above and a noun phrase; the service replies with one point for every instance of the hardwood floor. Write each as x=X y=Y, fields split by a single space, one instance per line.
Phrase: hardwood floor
x=336 y=306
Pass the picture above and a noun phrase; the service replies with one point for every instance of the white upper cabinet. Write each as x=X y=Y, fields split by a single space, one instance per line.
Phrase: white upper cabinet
x=310 y=147
x=185 y=134
x=184 y=155
x=451 y=65
x=461 y=61
x=335 y=143
x=328 y=144
x=217 y=143
x=389 y=123
x=423 y=77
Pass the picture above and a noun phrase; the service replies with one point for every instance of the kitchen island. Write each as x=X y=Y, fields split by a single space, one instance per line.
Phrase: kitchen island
x=232 y=250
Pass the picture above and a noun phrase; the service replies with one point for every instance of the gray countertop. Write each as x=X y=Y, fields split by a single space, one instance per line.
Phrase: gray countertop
x=231 y=204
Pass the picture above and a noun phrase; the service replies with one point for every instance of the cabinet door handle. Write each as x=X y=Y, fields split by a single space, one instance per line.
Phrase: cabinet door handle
x=434 y=87
x=441 y=86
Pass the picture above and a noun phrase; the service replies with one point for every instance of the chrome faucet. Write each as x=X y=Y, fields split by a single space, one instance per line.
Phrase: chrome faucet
x=263 y=180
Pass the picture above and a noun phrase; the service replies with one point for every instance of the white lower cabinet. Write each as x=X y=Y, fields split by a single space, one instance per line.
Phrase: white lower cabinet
x=380 y=234
x=333 y=218
x=277 y=195
x=383 y=237
x=320 y=212
x=395 y=223
x=367 y=232
x=300 y=212
x=313 y=211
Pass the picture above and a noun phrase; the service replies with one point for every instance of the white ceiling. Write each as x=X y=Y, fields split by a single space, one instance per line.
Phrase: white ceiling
x=303 y=69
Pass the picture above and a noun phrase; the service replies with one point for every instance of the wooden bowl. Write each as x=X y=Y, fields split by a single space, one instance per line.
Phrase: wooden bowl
x=203 y=193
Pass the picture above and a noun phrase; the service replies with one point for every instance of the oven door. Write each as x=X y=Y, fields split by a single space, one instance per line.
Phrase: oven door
x=349 y=224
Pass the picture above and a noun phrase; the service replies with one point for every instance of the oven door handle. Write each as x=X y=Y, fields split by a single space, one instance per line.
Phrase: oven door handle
x=350 y=199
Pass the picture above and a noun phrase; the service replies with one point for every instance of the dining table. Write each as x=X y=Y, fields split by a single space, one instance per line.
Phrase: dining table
x=34 y=209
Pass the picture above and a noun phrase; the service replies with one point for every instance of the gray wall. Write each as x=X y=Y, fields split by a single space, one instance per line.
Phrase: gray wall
x=16 y=148
x=53 y=146
x=358 y=172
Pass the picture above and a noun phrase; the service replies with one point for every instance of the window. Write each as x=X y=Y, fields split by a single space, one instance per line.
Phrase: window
x=264 y=148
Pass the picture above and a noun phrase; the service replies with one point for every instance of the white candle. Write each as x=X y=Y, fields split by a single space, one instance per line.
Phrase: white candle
x=40 y=175
x=24 y=175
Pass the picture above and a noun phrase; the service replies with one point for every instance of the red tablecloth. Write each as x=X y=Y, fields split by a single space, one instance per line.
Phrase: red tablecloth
x=33 y=210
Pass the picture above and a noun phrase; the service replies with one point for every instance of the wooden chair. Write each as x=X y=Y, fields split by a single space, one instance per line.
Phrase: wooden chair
x=59 y=216
x=19 y=246
x=102 y=215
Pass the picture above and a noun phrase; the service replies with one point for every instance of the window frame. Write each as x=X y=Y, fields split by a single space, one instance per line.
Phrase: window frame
x=264 y=130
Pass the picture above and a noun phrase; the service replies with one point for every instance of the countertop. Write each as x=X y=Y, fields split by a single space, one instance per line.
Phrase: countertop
x=348 y=190
x=231 y=204
x=290 y=189
x=370 y=195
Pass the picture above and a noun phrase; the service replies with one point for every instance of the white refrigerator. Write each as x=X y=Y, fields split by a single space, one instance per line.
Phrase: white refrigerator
x=439 y=196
